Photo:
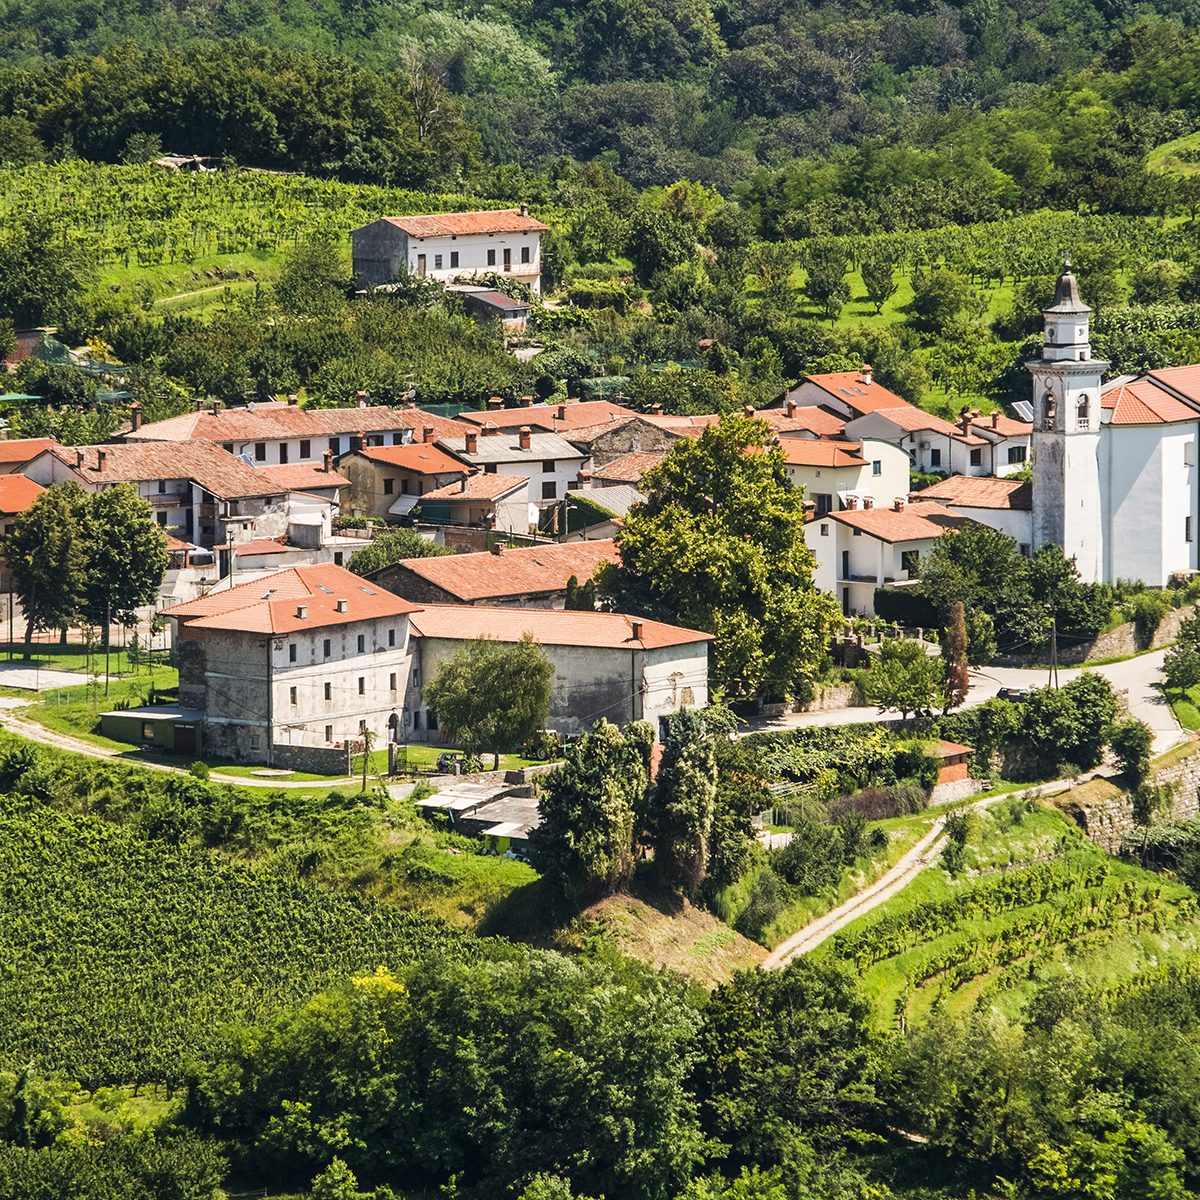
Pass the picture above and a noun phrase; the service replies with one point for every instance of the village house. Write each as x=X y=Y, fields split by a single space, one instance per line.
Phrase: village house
x=627 y=470
x=845 y=394
x=279 y=433
x=549 y=462
x=496 y=502
x=292 y=669
x=551 y=418
x=17 y=493
x=830 y=472
x=607 y=665
x=15 y=453
x=868 y=546
x=527 y=577
x=450 y=247
x=387 y=481
x=1003 y=504
x=615 y=439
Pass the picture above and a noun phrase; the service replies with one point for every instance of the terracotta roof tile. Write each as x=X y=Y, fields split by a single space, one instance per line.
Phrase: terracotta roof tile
x=1143 y=402
x=980 y=491
x=422 y=458
x=816 y=452
x=481 y=486
x=17 y=493
x=629 y=468
x=301 y=477
x=805 y=418
x=555 y=418
x=531 y=570
x=1184 y=380
x=262 y=546
x=551 y=627
x=22 y=450
x=272 y=604
x=851 y=389
x=504 y=220
x=910 y=418
x=914 y=522
x=214 y=469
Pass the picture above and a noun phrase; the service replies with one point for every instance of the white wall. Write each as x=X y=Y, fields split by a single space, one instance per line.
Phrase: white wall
x=871 y=563
x=472 y=250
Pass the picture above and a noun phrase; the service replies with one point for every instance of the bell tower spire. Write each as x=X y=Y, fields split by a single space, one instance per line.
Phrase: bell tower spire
x=1067 y=502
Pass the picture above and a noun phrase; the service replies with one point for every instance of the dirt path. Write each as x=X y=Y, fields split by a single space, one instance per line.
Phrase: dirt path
x=889 y=884
x=34 y=732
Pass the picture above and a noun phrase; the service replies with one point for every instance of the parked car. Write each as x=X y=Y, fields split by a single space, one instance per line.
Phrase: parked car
x=1015 y=694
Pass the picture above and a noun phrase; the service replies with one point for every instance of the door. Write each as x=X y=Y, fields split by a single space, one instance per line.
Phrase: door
x=185 y=739
x=421 y=265
x=845 y=564
x=508 y=260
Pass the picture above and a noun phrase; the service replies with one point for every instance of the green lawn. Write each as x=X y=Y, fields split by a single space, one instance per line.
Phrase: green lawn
x=1165 y=158
x=207 y=276
x=1185 y=704
x=424 y=758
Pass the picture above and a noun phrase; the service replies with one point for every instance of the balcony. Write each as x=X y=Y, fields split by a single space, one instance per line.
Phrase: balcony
x=168 y=499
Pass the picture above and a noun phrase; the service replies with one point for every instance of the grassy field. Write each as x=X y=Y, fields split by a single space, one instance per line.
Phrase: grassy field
x=1012 y=836
x=1165 y=158
x=1185 y=705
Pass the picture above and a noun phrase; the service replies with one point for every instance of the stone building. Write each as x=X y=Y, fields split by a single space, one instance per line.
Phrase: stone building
x=290 y=669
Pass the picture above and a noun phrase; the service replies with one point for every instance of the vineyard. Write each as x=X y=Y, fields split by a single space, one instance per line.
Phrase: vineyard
x=120 y=958
x=1001 y=928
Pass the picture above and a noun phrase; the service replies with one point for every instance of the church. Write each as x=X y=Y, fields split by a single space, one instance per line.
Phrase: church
x=1114 y=464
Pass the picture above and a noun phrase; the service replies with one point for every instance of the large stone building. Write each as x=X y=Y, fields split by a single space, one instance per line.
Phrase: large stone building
x=449 y=247
x=1114 y=466
x=609 y=665
x=289 y=669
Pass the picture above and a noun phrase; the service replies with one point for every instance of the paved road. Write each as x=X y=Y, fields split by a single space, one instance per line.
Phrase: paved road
x=1138 y=677
x=889 y=884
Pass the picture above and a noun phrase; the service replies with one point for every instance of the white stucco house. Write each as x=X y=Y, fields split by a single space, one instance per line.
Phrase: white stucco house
x=864 y=547
x=1003 y=504
x=831 y=471
x=549 y=462
x=1114 y=467
x=450 y=247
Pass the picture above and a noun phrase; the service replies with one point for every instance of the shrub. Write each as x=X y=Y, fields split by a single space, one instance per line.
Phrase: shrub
x=1147 y=611
x=199 y=770
x=767 y=898
x=1130 y=741
x=813 y=859
x=878 y=803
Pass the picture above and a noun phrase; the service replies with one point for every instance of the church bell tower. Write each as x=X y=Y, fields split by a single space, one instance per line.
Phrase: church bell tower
x=1067 y=502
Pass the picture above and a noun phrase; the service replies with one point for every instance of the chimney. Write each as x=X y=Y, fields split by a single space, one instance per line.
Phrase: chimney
x=293 y=400
x=851 y=503
x=790 y=408
x=497 y=549
x=343 y=606
x=638 y=626
x=867 y=374
x=427 y=434
x=585 y=477
x=357 y=442
x=524 y=210
x=101 y=457
x=198 y=405
x=215 y=407
x=561 y=414
x=868 y=502
x=899 y=504
x=747 y=410
x=328 y=460
x=526 y=401
x=302 y=611
x=490 y=429
x=524 y=437
x=965 y=423
x=361 y=398
x=462 y=483
x=78 y=460
x=656 y=409
x=135 y=416
x=472 y=440
x=996 y=419
x=495 y=403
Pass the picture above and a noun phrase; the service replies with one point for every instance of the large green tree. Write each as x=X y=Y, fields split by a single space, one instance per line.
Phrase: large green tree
x=493 y=695
x=126 y=557
x=719 y=546
x=392 y=546
x=47 y=558
x=584 y=845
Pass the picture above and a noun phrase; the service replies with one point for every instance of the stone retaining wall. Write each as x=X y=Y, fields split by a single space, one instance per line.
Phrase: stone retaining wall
x=830 y=696
x=1116 y=643
x=315 y=760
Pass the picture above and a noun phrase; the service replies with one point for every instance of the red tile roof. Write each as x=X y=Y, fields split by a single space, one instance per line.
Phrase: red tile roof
x=980 y=491
x=274 y=604
x=504 y=220
x=21 y=450
x=556 y=418
x=852 y=389
x=805 y=418
x=911 y=419
x=283 y=422
x=629 y=468
x=477 y=487
x=1002 y=424
x=952 y=749
x=1185 y=380
x=214 y=469
x=422 y=458
x=262 y=546
x=531 y=570
x=302 y=477
x=913 y=523
x=17 y=493
x=551 y=627
x=1143 y=402
x=815 y=452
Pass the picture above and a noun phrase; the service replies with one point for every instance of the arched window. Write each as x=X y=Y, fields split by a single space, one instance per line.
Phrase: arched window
x=1049 y=333
x=1049 y=410
x=1083 y=415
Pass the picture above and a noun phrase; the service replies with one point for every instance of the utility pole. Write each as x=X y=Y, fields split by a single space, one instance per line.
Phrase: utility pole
x=1054 y=651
